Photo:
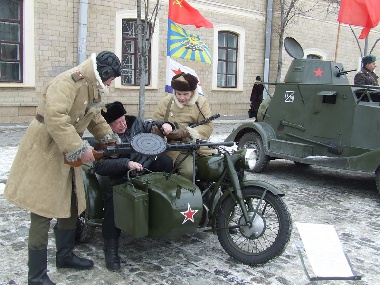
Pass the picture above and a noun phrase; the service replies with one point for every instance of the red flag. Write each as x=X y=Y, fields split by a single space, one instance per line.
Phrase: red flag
x=182 y=13
x=364 y=13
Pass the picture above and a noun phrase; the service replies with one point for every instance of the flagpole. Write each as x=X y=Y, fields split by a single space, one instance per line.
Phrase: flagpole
x=337 y=43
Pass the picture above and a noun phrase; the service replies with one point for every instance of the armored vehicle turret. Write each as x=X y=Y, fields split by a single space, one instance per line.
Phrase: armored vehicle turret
x=315 y=117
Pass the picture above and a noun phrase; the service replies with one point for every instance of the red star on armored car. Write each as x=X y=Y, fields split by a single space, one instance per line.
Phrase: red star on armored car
x=189 y=214
x=318 y=72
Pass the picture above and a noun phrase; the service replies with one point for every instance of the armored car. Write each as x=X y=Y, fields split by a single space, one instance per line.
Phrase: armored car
x=316 y=117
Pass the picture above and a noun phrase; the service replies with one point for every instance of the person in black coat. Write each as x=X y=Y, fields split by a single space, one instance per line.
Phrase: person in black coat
x=366 y=76
x=115 y=170
x=256 y=97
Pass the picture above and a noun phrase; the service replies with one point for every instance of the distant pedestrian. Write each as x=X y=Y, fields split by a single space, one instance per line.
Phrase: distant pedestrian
x=366 y=76
x=256 y=97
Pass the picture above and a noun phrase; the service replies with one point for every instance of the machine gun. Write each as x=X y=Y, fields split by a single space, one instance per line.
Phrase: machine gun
x=344 y=72
x=144 y=143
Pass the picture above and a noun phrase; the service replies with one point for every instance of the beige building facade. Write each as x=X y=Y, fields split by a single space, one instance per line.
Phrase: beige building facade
x=55 y=36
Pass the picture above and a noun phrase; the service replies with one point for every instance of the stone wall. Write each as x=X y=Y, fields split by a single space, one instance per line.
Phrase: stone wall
x=56 y=44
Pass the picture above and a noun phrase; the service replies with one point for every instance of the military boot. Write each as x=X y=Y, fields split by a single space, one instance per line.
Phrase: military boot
x=111 y=254
x=37 y=263
x=65 y=257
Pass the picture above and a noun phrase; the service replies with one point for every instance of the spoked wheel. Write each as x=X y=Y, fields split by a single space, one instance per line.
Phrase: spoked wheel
x=266 y=237
x=84 y=232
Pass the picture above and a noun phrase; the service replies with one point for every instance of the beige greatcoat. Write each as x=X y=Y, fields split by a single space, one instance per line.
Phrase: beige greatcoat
x=39 y=181
x=184 y=115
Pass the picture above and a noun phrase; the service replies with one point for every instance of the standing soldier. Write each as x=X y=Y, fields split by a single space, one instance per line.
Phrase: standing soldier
x=40 y=181
x=366 y=76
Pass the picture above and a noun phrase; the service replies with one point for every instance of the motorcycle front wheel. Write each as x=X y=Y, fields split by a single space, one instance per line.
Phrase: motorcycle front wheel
x=266 y=238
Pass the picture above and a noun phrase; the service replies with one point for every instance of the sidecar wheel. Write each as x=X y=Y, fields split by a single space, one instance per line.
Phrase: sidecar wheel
x=253 y=140
x=84 y=232
x=265 y=239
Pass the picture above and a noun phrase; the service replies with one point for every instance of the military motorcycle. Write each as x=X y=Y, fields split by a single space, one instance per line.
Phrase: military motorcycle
x=249 y=217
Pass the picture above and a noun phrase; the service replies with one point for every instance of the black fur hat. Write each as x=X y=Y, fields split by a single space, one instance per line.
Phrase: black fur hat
x=184 y=82
x=108 y=65
x=115 y=110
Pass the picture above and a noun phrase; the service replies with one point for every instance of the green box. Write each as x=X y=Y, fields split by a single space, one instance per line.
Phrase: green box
x=131 y=210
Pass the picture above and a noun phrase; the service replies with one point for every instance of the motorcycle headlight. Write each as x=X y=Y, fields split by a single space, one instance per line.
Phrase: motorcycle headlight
x=250 y=158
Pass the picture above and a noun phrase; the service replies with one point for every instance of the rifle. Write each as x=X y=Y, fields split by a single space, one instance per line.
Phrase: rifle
x=205 y=121
x=108 y=152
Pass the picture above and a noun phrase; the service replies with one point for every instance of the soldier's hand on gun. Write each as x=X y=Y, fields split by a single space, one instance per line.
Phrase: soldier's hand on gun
x=166 y=129
x=178 y=135
x=87 y=156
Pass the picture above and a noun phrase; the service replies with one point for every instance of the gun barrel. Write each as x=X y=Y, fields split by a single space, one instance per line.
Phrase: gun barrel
x=196 y=145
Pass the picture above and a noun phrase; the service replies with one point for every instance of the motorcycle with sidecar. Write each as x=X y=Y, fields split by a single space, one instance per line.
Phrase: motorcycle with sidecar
x=249 y=217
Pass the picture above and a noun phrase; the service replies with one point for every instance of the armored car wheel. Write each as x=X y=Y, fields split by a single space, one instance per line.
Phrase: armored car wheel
x=266 y=237
x=253 y=140
x=84 y=232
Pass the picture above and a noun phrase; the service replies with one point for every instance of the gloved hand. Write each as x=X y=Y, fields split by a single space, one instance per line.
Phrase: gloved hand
x=157 y=131
x=178 y=135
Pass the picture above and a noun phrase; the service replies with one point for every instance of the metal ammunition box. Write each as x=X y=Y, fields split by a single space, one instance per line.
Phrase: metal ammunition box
x=131 y=207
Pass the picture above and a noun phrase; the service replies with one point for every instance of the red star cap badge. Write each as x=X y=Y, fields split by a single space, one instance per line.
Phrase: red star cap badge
x=177 y=71
x=318 y=72
x=189 y=214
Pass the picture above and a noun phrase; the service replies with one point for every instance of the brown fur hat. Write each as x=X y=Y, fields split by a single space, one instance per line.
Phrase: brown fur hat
x=184 y=82
x=114 y=111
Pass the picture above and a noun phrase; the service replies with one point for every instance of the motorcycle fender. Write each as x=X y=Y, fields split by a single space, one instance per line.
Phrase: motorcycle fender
x=262 y=184
x=265 y=131
x=256 y=183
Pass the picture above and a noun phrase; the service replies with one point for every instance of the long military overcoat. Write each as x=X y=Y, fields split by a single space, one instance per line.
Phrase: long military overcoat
x=39 y=180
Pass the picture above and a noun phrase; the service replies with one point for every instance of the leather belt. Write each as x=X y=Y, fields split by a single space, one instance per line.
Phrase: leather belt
x=40 y=118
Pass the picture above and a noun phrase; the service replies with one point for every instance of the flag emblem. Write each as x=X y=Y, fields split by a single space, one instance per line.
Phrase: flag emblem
x=186 y=46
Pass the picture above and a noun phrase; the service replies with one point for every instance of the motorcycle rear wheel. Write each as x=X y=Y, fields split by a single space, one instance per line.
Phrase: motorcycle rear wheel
x=266 y=239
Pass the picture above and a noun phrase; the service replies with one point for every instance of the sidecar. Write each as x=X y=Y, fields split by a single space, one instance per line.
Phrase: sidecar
x=152 y=204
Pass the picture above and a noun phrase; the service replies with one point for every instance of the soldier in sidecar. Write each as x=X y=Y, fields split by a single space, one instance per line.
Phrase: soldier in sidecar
x=113 y=171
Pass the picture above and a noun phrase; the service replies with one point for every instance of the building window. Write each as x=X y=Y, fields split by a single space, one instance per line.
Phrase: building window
x=227 y=59
x=129 y=58
x=11 y=41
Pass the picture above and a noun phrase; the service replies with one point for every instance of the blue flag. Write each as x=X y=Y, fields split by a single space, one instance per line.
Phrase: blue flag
x=186 y=46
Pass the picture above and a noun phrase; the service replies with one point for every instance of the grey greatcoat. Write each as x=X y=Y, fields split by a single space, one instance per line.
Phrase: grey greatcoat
x=39 y=180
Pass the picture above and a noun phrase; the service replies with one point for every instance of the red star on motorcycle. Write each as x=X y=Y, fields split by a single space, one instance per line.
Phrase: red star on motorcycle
x=318 y=72
x=189 y=214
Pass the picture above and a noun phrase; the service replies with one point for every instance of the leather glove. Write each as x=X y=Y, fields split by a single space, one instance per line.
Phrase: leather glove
x=157 y=131
x=178 y=135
